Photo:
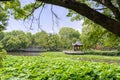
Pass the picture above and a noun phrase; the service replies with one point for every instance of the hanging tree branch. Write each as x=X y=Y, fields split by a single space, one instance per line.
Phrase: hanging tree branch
x=33 y=10
x=31 y=22
x=39 y=17
x=54 y=15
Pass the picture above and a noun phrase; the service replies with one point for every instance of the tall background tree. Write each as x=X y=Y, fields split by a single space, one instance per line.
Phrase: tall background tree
x=15 y=40
x=19 y=40
x=93 y=35
x=68 y=36
x=40 y=39
x=54 y=42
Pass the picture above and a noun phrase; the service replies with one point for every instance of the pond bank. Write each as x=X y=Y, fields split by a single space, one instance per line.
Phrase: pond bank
x=24 y=53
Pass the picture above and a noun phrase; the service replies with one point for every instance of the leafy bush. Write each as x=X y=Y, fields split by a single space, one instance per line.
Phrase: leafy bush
x=2 y=55
x=107 y=53
x=46 y=67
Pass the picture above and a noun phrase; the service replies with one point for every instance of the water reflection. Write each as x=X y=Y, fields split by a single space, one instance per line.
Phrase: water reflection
x=24 y=53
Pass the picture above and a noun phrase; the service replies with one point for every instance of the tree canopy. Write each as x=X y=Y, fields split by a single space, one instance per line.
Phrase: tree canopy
x=93 y=36
x=19 y=40
x=15 y=40
x=68 y=36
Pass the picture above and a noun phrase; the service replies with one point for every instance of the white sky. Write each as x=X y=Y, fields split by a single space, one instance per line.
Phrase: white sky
x=46 y=21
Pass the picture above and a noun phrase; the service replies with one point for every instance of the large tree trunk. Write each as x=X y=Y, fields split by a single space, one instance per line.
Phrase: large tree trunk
x=84 y=10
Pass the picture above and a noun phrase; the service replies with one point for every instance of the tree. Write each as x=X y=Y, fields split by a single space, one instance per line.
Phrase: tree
x=15 y=40
x=68 y=36
x=53 y=42
x=69 y=33
x=30 y=38
x=40 y=39
x=3 y=24
x=1 y=35
x=93 y=35
x=3 y=17
x=2 y=54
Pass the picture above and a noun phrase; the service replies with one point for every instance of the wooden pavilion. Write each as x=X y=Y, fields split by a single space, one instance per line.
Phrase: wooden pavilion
x=77 y=45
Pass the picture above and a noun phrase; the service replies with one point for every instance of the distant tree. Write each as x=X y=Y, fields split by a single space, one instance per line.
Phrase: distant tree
x=53 y=42
x=40 y=39
x=11 y=43
x=68 y=36
x=15 y=40
x=30 y=37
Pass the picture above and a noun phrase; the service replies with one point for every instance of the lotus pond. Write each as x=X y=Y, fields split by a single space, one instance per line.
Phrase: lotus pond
x=59 y=66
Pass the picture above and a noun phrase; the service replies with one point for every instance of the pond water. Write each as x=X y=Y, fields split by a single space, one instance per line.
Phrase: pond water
x=24 y=53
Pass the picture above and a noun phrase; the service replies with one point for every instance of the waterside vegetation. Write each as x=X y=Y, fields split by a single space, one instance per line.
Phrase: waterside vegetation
x=59 y=66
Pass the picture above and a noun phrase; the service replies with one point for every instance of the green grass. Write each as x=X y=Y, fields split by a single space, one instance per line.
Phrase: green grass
x=59 y=66
x=91 y=58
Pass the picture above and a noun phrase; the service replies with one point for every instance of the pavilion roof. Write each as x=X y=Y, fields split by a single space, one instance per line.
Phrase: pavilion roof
x=77 y=43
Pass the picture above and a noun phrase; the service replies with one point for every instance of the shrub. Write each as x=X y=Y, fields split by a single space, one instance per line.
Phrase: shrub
x=2 y=55
x=106 y=53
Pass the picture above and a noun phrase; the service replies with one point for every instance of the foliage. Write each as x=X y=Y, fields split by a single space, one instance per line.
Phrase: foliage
x=93 y=35
x=16 y=8
x=98 y=9
x=19 y=40
x=50 y=67
x=30 y=38
x=3 y=17
x=68 y=36
x=97 y=5
x=40 y=39
x=3 y=24
x=2 y=55
x=106 y=53
x=54 y=43
x=1 y=35
x=15 y=40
